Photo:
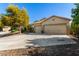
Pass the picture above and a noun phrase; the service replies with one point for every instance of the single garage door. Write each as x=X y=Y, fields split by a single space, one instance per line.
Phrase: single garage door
x=55 y=29
x=38 y=29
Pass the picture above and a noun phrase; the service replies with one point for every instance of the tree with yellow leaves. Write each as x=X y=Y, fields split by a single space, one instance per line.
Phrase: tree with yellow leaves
x=16 y=17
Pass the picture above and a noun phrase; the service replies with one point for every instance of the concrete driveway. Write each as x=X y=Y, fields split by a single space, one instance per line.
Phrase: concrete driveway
x=35 y=40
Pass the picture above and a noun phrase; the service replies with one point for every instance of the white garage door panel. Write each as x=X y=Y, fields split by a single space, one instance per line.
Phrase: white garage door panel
x=38 y=29
x=55 y=29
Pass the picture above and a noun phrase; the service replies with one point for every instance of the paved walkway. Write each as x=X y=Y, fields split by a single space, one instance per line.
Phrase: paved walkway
x=26 y=40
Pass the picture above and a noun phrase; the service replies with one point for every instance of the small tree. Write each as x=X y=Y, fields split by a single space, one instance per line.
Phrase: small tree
x=17 y=16
x=75 y=22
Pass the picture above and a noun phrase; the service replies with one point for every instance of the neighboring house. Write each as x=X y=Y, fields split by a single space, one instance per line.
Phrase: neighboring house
x=52 y=25
x=6 y=29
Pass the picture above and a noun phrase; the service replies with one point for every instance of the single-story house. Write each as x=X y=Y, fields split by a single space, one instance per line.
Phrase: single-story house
x=52 y=25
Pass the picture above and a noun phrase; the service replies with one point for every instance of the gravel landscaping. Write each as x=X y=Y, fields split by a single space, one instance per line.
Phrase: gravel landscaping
x=60 y=50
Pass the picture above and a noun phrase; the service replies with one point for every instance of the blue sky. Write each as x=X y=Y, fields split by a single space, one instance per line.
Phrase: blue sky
x=37 y=11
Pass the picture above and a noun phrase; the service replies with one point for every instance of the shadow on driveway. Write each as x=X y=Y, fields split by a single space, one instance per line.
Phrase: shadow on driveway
x=38 y=42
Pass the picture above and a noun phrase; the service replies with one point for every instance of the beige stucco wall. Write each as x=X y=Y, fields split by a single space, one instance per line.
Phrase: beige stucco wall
x=55 y=20
x=53 y=25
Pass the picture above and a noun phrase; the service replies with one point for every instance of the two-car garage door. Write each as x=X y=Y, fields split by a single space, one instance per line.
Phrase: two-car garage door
x=55 y=29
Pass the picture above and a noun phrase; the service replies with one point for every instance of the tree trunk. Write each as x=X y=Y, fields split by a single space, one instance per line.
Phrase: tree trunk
x=20 y=29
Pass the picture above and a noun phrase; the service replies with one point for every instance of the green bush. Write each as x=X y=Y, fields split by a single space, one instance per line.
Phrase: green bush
x=75 y=28
x=24 y=29
x=30 y=28
x=1 y=25
x=14 y=29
